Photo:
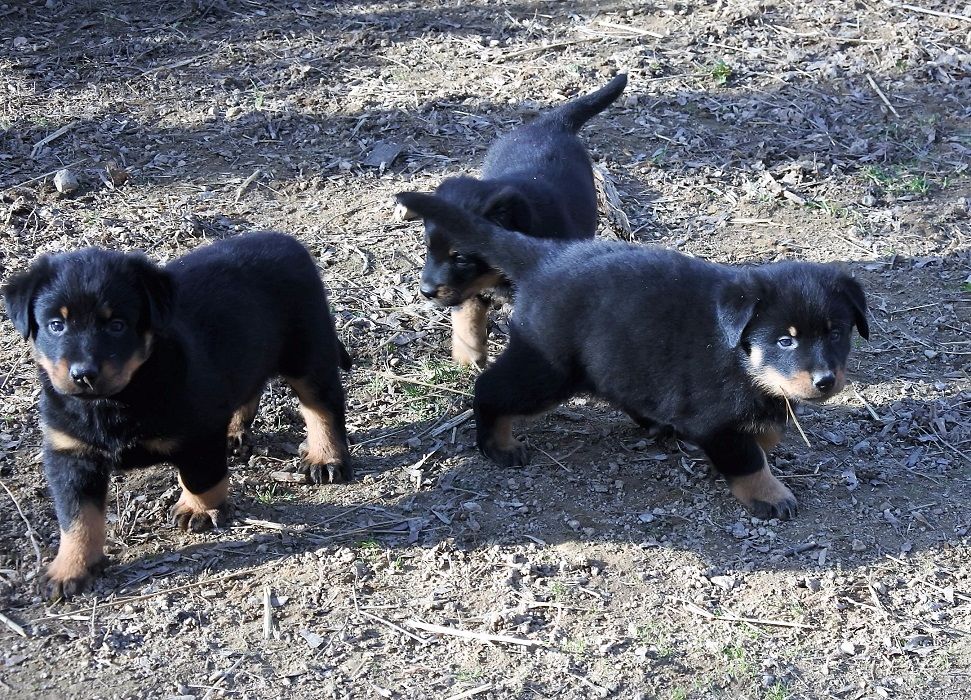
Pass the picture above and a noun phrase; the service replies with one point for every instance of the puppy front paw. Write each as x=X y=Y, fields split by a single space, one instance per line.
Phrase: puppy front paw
x=764 y=496
x=67 y=577
x=467 y=356
x=190 y=517
x=331 y=473
x=202 y=511
x=512 y=453
x=338 y=471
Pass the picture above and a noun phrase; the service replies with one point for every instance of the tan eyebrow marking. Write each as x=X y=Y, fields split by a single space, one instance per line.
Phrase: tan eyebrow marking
x=793 y=332
x=105 y=312
x=64 y=312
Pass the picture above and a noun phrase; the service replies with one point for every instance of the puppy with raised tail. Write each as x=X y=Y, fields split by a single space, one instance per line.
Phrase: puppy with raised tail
x=714 y=351
x=141 y=364
x=537 y=180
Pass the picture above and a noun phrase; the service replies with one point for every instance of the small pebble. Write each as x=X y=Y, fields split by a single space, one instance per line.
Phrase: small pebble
x=848 y=648
x=857 y=546
x=65 y=181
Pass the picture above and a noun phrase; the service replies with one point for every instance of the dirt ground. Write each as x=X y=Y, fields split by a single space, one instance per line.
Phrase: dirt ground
x=620 y=567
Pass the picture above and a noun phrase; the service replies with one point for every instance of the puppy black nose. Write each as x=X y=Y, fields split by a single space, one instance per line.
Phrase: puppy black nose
x=824 y=381
x=429 y=292
x=84 y=374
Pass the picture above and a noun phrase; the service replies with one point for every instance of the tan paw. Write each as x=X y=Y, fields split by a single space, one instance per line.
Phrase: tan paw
x=65 y=579
x=199 y=512
x=336 y=471
x=764 y=495
x=466 y=356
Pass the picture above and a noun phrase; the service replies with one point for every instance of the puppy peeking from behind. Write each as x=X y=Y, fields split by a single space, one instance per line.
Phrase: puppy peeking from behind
x=141 y=364
x=537 y=180
x=712 y=351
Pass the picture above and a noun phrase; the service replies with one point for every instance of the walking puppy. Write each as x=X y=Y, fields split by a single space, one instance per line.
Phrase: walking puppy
x=537 y=180
x=711 y=350
x=141 y=364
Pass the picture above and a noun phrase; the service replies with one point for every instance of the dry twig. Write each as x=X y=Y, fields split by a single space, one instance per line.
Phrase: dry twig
x=481 y=636
x=30 y=528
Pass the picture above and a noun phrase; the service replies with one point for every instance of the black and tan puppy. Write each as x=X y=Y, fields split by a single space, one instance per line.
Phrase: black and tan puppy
x=141 y=364
x=711 y=350
x=537 y=180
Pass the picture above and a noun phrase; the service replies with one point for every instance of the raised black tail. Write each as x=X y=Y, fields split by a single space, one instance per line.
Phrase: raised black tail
x=512 y=253
x=344 y=359
x=575 y=113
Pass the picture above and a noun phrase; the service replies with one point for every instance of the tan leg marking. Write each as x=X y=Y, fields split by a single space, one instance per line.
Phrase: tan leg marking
x=161 y=446
x=243 y=418
x=324 y=445
x=60 y=441
x=469 y=331
x=201 y=511
x=769 y=439
x=501 y=447
x=502 y=435
x=763 y=494
x=81 y=547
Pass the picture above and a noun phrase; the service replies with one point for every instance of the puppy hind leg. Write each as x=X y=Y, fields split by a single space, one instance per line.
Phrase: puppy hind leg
x=742 y=461
x=654 y=429
x=470 y=324
x=238 y=434
x=521 y=382
x=325 y=453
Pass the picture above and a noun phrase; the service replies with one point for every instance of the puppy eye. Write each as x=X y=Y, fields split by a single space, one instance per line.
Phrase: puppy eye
x=787 y=342
x=460 y=259
x=116 y=325
x=56 y=327
x=835 y=334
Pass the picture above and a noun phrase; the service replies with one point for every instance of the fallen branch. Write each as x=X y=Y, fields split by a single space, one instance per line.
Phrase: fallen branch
x=246 y=183
x=13 y=625
x=396 y=628
x=30 y=529
x=925 y=11
x=691 y=607
x=471 y=692
x=406 y=380
x=51 y=137
x=481 y=636
x=876 y=88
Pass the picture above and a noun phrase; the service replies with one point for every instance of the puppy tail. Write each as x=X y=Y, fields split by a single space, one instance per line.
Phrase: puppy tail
x=512 y=253
x=344 y=362
x=575 y=113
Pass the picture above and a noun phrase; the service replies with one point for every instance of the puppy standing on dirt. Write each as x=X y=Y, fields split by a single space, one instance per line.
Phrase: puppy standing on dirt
x=713 y=351
x=141 y=364
x=537 y=180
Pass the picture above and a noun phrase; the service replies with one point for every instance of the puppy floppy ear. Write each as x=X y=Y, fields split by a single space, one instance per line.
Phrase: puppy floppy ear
x=432 y=208
x=21 y=291
x=158 y=291
x=509 y=209
x=737 y=302
x=853 y=293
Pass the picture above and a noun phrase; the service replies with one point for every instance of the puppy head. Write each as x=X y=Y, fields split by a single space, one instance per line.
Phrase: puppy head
x=451 y=275
x=794 y=323
x=90 y=316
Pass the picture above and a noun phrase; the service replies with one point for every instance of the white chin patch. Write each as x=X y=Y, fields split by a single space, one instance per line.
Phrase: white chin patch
x=756 y=356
